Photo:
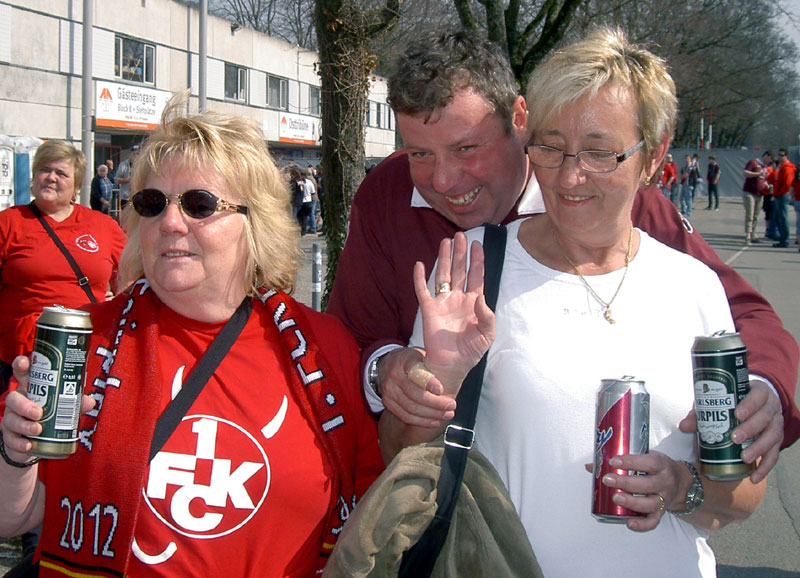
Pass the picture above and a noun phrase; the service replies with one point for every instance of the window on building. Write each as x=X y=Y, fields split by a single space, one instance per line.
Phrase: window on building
x=313 y=101
x=369 y=114
x=134 y=60
x=381 y=112
x=235 y=82
x=277 y=92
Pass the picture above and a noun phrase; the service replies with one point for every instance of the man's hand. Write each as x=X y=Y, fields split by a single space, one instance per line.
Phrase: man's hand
x=408 y=401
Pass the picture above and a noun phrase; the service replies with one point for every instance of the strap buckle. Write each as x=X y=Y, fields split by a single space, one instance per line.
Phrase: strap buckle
x=459 y=437
x=83 y=281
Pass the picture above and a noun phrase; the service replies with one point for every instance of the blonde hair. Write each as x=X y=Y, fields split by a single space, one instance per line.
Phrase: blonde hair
x=605 y=58
x=235 y=148
x=60 y=150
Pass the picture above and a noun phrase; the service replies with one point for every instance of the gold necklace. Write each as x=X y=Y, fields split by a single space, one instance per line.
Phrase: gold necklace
x=607 y=305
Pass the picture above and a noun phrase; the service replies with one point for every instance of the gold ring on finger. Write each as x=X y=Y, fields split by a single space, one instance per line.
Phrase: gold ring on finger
x=442 y=288
x=661 y=503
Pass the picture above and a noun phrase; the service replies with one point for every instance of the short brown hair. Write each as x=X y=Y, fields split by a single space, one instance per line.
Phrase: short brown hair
x=430 y=73
x=60 y=150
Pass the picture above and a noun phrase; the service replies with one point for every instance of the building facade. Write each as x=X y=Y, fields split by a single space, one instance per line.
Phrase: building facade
x=142 y=52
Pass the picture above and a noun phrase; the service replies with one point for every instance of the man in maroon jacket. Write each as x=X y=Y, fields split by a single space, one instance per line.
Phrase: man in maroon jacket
x=460 y=169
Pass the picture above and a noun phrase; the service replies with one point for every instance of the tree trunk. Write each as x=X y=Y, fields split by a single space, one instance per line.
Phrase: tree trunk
x=345 y=62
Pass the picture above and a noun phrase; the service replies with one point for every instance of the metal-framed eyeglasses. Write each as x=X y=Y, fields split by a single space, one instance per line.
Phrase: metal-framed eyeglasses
x=195 y=203
x=592 y=161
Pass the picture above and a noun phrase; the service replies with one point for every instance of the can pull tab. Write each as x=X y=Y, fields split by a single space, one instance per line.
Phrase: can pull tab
x=719 y=333
x=627 y=378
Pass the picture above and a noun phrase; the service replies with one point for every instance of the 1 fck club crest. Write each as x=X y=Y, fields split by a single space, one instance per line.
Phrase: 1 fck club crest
x=196 y=489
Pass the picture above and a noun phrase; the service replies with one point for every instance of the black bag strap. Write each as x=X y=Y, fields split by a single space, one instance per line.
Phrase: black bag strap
x=200 y=375
x=83 y=280
x=418 y=561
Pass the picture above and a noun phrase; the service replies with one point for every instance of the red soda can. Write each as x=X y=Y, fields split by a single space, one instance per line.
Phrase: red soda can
x=622 y=426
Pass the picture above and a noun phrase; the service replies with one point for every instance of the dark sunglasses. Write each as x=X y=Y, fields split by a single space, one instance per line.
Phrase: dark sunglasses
x=196 y=203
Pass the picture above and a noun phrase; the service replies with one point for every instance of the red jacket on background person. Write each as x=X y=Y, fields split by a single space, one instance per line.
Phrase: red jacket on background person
x=783 y=178
x=772 y=175
x=670 y=172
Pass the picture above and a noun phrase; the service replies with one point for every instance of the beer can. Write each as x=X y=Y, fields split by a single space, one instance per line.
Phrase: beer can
x=622 y=426
x=58 y=368
x=721 y=381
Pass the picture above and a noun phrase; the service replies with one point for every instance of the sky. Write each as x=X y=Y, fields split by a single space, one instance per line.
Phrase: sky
x=793 y=27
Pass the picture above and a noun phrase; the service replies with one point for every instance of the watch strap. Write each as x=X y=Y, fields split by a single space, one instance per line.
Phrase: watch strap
x=694 y=495
x=372 y=374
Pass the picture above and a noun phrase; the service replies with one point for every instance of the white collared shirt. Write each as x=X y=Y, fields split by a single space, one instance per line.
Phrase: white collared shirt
x=531 y=202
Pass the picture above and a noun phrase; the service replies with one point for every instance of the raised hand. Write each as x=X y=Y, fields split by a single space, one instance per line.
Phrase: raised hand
x=458 y=326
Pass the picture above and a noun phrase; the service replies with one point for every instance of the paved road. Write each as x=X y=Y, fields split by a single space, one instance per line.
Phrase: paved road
x=768 y=544
x=304 y=282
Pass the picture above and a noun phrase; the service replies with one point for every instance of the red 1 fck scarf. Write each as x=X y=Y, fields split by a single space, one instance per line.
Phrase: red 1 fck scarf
x=93 y=497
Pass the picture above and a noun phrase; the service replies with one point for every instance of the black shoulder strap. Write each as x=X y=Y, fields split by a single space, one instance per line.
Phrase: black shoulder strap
x=200 y=375
x=419 y=560
x=83 y=280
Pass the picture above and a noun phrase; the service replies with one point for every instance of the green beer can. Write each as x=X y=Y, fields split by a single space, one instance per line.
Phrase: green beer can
x=721 y=381
x=58 y=368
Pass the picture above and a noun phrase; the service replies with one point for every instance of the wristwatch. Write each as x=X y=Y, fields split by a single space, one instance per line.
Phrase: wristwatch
x=372 y=374
x=695 y=495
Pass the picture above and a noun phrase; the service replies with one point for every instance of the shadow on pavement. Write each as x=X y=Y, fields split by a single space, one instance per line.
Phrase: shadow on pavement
x=739 y=572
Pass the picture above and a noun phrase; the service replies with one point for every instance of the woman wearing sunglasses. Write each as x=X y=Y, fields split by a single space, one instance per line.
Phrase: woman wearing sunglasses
x=257 y=473
x=585 y=296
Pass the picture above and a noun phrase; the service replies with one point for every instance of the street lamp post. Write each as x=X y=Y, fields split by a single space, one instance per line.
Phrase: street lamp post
x=87 y=140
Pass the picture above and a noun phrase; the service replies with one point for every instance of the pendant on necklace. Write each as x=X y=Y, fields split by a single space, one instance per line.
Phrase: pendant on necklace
x=608 y=316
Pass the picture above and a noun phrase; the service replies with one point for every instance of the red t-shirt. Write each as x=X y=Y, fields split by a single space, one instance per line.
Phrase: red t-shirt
x=772 y=174
x=35 y=274
x=242 y=487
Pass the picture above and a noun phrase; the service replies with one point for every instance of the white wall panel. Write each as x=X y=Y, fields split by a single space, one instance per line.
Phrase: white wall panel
x=5 y=33
x=103 y=54
x=258 y=88
x=71 y=47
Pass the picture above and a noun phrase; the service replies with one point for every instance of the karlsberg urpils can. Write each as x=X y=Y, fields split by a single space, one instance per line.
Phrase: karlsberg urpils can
x=622 y=426
x=58 y=368
x=721 y=381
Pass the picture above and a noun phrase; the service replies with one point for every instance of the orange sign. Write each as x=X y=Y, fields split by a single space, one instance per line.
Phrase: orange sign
x=126 y=106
